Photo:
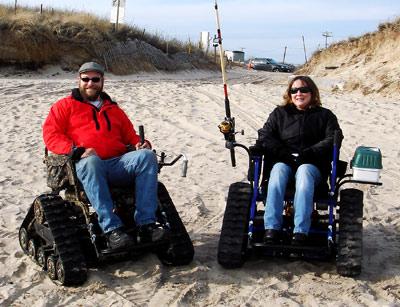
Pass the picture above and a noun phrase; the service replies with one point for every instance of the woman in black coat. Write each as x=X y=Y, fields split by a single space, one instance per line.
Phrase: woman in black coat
x=298 y=137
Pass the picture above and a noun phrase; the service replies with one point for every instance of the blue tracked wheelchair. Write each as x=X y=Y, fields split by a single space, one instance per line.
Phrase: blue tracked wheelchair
x=336 y=229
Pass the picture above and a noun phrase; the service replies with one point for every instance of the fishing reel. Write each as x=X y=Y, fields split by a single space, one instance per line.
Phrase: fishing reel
x=227 y=128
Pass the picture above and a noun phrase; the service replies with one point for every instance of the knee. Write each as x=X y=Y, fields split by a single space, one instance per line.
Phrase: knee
x=304 y=182
x=89 y=164
x=279 y=171
x=306 y=175
x=281 y=168
x=148 y=156
x=304 y=170
x=143 y=158
x=277 y=181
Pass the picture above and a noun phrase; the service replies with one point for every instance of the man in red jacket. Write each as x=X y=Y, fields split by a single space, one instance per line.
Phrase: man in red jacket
x=95 y=132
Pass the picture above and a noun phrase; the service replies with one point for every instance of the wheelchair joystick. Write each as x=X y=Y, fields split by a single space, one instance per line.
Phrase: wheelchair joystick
x=141 y=134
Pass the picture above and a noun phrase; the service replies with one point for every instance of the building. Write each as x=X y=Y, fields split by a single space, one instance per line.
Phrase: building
x=205 y=41
x=235 y=56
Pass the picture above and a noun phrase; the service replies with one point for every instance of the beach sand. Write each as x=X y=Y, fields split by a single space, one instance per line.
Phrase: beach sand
x=180 y=113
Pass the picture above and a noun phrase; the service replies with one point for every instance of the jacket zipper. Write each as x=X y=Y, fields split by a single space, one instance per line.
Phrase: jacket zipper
x=108 y=121
x=302 y=130
x=95 y=119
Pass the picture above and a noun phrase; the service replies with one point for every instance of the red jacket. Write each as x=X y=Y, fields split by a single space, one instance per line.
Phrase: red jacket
x=73 y=122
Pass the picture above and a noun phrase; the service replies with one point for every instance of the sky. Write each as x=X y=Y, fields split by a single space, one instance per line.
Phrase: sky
x=260 y=28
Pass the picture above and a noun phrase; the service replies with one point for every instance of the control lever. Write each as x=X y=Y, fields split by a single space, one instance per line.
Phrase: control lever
x=141 y=134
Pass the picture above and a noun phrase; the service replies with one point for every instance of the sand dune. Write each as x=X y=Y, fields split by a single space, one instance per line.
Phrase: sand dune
x=180 y=114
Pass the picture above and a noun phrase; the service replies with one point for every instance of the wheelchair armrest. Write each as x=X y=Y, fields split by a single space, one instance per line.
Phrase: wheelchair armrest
x=341 y=168
x=60 y=171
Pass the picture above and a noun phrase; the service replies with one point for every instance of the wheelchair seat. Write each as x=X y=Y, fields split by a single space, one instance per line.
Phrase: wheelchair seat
x=61 y=175
x=321 y=191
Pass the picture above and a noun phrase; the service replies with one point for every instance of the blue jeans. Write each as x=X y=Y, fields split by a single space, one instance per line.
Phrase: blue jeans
x=306 y=178
x=137 y=168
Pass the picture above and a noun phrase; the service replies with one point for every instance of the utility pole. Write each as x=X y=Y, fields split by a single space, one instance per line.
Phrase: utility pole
x=284 y=55
x=117 y=13
x=215 y=45
x=304 y=47
x=326 y=34
x=116 y=22
x=15 y=7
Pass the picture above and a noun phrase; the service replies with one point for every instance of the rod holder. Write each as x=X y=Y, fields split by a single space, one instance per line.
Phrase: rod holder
x=184 y=166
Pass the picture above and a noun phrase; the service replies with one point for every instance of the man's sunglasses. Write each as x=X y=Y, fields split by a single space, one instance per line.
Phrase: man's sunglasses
x=303 y=90
x=94 y=79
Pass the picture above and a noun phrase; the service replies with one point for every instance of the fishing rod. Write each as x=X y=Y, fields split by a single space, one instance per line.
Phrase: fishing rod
x=226 y=127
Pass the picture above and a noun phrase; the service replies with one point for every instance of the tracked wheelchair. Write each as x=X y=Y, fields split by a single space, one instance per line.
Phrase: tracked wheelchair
x=61 y=232
x=336 y=228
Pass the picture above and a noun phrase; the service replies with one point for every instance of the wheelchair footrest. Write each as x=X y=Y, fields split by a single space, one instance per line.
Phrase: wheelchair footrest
x=296 y=251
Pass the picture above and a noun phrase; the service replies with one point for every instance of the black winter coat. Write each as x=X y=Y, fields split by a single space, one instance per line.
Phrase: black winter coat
x=309 y=133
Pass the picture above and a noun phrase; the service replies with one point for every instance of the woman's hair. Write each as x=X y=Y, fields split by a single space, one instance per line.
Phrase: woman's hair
x=315 y=99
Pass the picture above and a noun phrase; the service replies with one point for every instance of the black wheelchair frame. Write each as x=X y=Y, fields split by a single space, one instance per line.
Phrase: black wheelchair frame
x=62 y=235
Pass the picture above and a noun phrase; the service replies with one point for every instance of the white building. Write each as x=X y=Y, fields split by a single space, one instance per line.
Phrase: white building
x=205 y=41
x=235 y=56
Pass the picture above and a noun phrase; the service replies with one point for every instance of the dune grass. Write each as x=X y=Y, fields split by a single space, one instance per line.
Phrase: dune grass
x=33 y=38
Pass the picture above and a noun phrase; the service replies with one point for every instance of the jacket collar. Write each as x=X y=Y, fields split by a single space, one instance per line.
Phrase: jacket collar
x=292 y=109
x=77 y=96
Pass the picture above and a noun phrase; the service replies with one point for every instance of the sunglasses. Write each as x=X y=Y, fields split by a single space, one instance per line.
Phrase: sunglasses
x=303 y=90
x=94 y=79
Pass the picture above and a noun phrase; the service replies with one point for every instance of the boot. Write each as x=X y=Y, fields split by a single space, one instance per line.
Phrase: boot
x=118 y=239
x=150 y=233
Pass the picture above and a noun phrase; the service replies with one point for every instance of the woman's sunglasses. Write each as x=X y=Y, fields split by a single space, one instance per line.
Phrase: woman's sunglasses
x=94 y=79
x=303 y=90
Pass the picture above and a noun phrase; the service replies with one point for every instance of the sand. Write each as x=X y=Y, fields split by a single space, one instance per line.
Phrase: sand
x=180 y=113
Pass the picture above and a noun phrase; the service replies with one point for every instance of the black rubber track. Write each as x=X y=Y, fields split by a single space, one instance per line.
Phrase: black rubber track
x=67 y=245
x=349 y=249
x=24 y=229
x=179 y=250
x=232 y=245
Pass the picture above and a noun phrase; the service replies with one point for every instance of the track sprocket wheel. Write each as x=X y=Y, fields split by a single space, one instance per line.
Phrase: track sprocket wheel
x=23 y=239
x=41 y=257
x=32 y=249
x=51 y=267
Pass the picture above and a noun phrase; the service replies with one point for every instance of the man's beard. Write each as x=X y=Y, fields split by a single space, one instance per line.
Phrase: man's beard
x=90 y=94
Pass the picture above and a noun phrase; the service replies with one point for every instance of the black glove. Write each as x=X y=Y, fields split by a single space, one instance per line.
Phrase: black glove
x=256 y=150
x=304 y=157
x=285 y=156
x=76 y=153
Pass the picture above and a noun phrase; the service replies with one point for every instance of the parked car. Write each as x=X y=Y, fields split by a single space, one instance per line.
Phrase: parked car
x=269 y=64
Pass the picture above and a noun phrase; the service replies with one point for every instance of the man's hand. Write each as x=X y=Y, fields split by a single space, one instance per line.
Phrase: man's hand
x=143 y=146
x=88 y=152
x=77 y=153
